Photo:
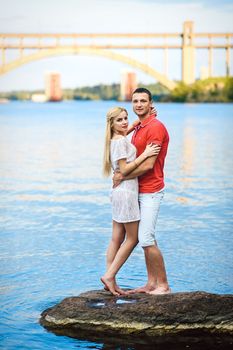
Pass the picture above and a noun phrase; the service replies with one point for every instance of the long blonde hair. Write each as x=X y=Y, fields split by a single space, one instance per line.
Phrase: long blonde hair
x=112 y=113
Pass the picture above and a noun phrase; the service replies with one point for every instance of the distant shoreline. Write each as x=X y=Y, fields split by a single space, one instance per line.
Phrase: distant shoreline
x=68 y=101
x=209 y=90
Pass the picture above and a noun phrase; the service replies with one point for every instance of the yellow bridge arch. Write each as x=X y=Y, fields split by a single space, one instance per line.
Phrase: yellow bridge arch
x=90 y=51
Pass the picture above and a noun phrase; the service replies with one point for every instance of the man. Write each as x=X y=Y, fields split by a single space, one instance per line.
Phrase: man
x=151 y=189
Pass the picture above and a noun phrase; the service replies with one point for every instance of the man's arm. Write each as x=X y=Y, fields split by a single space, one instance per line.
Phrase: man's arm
x=148 y=164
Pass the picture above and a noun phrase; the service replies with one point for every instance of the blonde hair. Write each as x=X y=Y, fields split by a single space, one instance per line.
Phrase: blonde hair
x=111 y=115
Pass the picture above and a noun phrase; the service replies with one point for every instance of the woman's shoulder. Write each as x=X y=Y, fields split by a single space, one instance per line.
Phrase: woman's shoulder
x=118 y=137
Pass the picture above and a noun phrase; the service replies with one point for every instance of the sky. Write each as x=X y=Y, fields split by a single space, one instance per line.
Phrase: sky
x=109 y=16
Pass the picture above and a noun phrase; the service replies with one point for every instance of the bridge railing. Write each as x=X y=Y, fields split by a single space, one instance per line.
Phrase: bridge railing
x=101 y=43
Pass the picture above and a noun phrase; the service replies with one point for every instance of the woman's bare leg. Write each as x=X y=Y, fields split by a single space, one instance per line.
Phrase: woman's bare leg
x=118 y=236
x=121 y=256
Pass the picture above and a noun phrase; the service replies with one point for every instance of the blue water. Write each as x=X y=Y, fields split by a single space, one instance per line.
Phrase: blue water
x=56 y=216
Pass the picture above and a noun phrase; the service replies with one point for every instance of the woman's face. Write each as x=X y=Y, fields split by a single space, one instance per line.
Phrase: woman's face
x=120 y=123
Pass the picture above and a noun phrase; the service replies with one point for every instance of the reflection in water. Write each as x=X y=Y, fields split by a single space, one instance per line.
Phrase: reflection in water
x=188 y=153
x=56 y=215
x=189 y=148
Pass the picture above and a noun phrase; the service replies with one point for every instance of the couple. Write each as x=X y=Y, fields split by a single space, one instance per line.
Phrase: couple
x=135 y=212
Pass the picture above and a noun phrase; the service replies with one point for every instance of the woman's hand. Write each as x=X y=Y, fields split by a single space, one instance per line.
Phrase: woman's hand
x=116 y=179
x=153 y=111
x=151 y=150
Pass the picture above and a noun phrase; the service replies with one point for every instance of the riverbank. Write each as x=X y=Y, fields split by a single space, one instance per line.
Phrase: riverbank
x=208 y=90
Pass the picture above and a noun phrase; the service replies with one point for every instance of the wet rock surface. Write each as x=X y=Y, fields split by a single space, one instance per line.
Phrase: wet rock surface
x=145 y=319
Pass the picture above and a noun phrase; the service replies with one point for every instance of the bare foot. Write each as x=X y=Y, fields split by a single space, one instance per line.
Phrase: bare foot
x=117 y=288
x=160 y=291
x=109 y=284
x=144 y=289
x=120 y=291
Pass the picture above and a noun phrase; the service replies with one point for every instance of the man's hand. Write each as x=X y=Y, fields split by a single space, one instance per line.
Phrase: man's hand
x=117 y=178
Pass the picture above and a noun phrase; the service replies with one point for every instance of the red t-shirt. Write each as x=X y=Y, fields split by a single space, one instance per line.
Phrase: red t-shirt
x=151 y=130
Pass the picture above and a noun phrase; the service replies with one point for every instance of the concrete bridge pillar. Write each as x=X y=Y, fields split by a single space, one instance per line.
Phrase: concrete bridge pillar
x=188 y=54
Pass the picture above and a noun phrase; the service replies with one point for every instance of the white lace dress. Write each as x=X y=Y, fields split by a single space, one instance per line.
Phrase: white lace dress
x=124 y=198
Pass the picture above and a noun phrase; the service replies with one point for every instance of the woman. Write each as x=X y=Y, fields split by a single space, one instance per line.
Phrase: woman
x=120 y=154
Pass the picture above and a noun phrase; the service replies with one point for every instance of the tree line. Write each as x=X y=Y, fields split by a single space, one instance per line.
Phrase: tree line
x=208 y=90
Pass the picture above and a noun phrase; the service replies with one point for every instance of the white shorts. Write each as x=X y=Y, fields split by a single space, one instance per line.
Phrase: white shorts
x=149 y=209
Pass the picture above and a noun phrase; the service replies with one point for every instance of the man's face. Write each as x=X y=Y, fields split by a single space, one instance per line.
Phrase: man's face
x=141 y=104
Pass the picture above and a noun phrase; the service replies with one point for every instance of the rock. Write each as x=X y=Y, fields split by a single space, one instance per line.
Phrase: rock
x=97 y=314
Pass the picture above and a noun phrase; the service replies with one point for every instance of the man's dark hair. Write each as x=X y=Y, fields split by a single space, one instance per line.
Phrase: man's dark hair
x=143 y=90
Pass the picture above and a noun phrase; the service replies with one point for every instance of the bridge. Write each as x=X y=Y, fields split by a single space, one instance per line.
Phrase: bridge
x=28 y=47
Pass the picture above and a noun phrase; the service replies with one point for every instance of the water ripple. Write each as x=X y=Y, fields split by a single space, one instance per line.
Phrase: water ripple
x=56 y=216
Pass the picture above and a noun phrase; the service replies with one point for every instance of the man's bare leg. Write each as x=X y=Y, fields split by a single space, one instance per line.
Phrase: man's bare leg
x=157 y=279
x=151 y=273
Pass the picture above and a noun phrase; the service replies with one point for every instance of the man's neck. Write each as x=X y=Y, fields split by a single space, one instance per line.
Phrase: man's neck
x=143 y=117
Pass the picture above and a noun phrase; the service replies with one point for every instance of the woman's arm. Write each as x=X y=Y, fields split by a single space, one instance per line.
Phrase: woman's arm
x=132 y=126
x=126 y=168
